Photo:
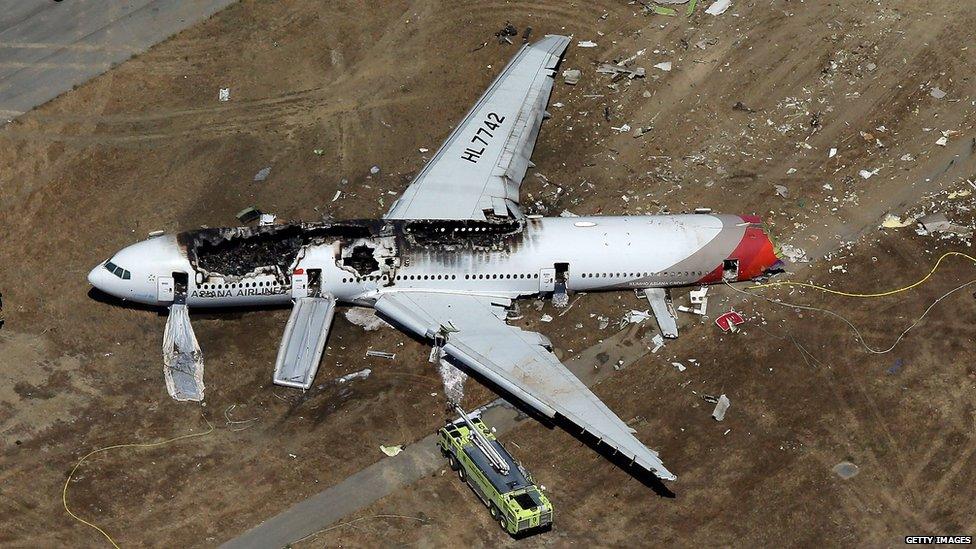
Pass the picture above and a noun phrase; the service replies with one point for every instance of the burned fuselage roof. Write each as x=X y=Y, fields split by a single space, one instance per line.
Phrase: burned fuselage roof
x=274 y=249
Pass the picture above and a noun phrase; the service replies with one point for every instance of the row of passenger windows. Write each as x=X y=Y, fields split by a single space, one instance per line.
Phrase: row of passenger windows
x=496 y=276
x=238 y=285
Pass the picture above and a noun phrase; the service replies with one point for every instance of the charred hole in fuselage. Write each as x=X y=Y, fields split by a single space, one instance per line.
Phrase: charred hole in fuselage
x=362 y=260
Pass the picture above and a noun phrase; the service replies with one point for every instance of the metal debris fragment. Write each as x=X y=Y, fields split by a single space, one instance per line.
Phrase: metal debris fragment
x=719 y=7
x=572 y=76
x=262 y=174
x=846 y=470
x=721 y=407
x=361 y=374
x=391 y=450
x=380 y=354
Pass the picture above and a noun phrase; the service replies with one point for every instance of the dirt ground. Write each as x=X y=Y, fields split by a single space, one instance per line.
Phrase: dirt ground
x=756 y=97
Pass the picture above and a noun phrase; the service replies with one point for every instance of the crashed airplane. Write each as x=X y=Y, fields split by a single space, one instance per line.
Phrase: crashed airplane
x=449 y=259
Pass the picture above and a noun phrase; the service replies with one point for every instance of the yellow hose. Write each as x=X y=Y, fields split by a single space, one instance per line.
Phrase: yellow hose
x=881 y=294
x=64 y=492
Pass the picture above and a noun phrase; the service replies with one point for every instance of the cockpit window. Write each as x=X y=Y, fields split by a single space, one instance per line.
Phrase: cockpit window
x=117 y=271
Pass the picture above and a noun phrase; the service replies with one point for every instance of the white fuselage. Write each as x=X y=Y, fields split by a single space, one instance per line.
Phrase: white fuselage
x=586 y=253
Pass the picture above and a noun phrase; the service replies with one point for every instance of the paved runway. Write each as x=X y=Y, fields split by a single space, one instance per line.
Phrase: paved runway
x=47 y=47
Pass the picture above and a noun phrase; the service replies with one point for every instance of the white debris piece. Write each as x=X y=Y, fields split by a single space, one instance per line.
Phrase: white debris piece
x=365 y=318
x=380 y=354
x=892 y=221
x=721 y=407
x=223 y=94
x=937 y=93
x=361 y=374
x=718 y=7
x=942 y=141
x=636 y=317
x=622 y=129
x=586 y=44
x=679 y=366
x=337 y=195
x=782 y=191
x=658 y=341
x=423 y=150
x=572 y=76
x=939 y=223
x=391 y=450
x=267 y=219
x=374 y=170
x=182 y=357
x=868 y=174
x=546 y=318
x=664 y=66
x=832 y=153
x=567 y=213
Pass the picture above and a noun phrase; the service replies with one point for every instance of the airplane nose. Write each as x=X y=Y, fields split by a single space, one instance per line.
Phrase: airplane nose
x=95 y=277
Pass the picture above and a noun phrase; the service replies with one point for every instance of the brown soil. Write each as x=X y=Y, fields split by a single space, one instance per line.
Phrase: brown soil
x=148 y=146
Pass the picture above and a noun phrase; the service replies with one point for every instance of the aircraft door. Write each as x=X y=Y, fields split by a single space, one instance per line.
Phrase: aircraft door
x=299 y=284
x=547 y=280
x=165 y=289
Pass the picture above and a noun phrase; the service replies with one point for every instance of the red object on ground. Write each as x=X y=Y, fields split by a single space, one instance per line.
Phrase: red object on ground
x=729 y=320
x=299 y=271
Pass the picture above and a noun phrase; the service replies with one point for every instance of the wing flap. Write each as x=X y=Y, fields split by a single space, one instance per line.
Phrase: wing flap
x=474 y=332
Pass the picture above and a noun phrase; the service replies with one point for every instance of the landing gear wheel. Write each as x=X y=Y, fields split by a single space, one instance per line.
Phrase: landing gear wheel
x=453 y=462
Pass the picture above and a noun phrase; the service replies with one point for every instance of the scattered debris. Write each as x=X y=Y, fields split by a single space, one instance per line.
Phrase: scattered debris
x=636 y=317
x=832 y=153
x=721 y=407
x=248 y=215
x=607 y=68
x=262 y=174
x=391 y=450
x=336 y=196
x=572 y=76
x=664 y=66
x=374 y=170
x=267 y=219
x=729 y=321
x=869 y=174
x=546 y=318
x=719 y=7
x=794 y=254
x=641 y=132
x=318 y=152
x=937 y=93
x=505 y=32
x=942 y=141
x=621 y=129
x=681 y=367
x=846 y=470
x=365 y=318
x=526 y=34
x=586 y=44
x=782 y=191
x=381 y=354
x=223 y=94
x=361 y=374
x=567 y=213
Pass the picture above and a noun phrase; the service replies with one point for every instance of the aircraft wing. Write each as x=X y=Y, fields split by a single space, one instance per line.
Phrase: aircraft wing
x=478 y=171
x=474 y=332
